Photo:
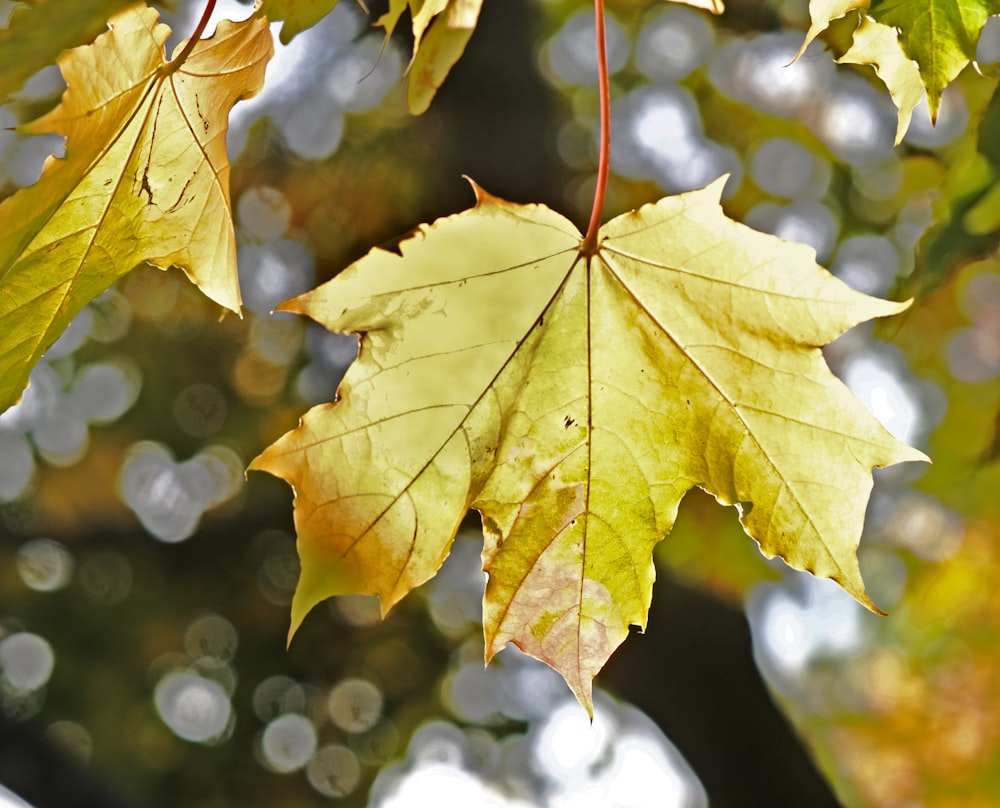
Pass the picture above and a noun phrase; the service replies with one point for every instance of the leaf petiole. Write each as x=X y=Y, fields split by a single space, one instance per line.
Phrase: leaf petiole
x=176 y=62
x=589 y=246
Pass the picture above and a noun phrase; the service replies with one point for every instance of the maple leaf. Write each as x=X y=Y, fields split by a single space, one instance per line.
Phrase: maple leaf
x=823 y=12
x=40 y=30
x=939 y=36
x=145 y=178
x=714 y=6
x=298 y=15
x=441 y=30
x=573 y=399
x=877 y=45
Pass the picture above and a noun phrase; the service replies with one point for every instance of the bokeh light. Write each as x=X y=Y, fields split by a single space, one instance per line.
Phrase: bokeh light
x=211 y=635
x=571 y=56
x=355 y=705
x=288 y=742
x=169 y=498
x=18 y=468
x=794 y=623
x=875 y=379
x=44 y=565
x=193 y=707
x=105 y=576
x=760 y=71
x=278 y=695
x=672 y=43
x=785 y=168
x=71 y=737
x=334 y=771
x=26 y=661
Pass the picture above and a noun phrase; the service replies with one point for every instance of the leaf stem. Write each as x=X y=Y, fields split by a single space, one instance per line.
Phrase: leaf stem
x=589 y=246
x=195 y=37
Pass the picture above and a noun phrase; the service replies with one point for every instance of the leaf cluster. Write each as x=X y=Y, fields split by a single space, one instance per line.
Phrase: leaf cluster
x=570 y=389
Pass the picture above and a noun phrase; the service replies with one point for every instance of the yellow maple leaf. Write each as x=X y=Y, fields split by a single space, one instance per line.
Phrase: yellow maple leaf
x=878 y=45
x=37 y=32
x=441 y=30
x=573 y=399
x=823 y=12
x=713 y=6
x=298 y=15
x=145 y=178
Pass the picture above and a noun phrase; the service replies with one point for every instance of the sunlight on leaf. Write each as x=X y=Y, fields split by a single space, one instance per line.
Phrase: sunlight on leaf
x=714 y=6
x=38 y=32
x=823 y=12
x=877 y=45
x=573 y=400
x=939 y=35
x=441 y=30
x=145 y=178
x=298 y=15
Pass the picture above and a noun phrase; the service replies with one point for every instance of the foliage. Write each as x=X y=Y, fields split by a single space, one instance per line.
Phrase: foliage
x=297 y=15
x=552 y=424
x=904 y=39
x=39 y=31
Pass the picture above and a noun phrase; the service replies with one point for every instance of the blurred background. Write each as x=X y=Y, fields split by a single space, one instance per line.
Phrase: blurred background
x=145 y=583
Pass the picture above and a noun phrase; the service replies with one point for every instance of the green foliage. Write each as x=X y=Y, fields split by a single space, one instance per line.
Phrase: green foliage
x=939 y=35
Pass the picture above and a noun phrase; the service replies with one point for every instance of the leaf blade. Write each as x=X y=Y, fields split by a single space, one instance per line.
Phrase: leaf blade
x=145 y=178
x=589 y=395
x=441 y=31
x=297 y=15
x=38 y=32
x=878 y=45
x=329 y=434
x=939 y=35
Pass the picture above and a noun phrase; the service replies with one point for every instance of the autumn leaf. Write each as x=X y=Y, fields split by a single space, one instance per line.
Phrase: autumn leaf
x=713 y=6
x=823 y=12
x=298 y=15
x=145 y=178
x=38 y=31
x=878 y=45
x=939 y=36
x=441 y=30
x=573 y=399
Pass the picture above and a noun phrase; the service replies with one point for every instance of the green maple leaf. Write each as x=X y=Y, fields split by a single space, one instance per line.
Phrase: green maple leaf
x=573 y=399
x=145 y=178
x=939 y=35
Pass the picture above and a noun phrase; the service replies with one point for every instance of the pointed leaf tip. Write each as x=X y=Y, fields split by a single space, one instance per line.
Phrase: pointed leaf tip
x=483 y=197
